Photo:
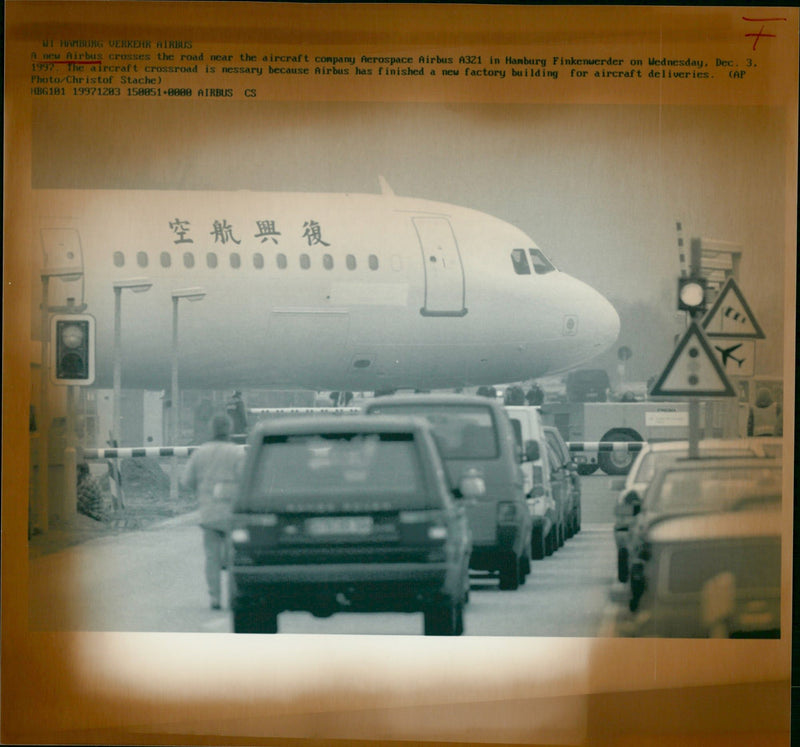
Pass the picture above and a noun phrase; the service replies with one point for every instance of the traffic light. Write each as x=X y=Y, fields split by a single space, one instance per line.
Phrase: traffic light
x=72 y=341
x=692 y=295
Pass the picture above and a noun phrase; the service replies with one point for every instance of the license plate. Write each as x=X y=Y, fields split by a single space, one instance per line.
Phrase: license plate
x=326 y=526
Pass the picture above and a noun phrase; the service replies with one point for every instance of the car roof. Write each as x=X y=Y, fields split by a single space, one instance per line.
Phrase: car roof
x=433 y=399
x=710 y=443
x=733 y=462
x=704 y=464
x=311 y=424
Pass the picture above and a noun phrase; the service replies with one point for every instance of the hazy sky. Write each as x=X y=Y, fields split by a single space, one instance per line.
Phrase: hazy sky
x=598 y=187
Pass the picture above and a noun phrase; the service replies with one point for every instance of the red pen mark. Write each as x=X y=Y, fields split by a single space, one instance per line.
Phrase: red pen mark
x=760 y=33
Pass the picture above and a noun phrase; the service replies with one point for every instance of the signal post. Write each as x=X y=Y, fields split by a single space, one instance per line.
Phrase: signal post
x=693 y=371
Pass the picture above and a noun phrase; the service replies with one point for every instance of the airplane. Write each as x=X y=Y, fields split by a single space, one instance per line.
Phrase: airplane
x=727 y=353
x=347 y=292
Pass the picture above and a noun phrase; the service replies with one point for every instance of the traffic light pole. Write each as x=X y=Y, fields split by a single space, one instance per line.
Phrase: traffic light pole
x=41 y=516
x=694 y=403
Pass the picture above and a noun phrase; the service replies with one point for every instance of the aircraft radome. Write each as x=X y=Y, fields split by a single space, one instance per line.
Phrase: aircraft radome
x=351 y=292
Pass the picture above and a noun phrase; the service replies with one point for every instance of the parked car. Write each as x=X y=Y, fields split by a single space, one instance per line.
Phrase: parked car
x=349 y=514
x=654 y=456
x=474 y=434
x=705 y=549
x=567 y=472
x=545 y=515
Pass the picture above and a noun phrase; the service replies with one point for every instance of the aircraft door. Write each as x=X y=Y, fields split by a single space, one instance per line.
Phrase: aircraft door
x=444 y=272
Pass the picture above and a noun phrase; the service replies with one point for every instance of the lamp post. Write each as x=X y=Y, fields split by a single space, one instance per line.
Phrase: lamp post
x=137 y=285
x=189 y=294
x=42 y=514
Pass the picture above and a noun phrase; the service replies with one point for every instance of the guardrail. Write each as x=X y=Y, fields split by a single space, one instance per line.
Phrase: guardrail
x=142 y=451
x=184 y=451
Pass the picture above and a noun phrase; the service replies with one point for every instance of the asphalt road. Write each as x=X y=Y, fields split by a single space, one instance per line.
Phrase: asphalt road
x=152 y=581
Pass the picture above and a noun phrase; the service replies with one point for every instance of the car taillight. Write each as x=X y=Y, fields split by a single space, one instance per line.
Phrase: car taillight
x=240 y=536
x=506 y=512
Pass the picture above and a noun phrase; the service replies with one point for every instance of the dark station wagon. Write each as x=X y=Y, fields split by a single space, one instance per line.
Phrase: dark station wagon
x=348 y=514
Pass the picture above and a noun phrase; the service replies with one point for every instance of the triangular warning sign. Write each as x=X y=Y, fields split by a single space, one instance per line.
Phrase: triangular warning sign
x=730 y=316
x=693 y=370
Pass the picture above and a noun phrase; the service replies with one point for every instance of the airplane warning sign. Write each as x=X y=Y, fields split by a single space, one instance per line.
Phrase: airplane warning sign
x=693 y=370
x=731 y=316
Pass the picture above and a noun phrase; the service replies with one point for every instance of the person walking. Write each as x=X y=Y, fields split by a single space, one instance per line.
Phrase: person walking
x=213 y=473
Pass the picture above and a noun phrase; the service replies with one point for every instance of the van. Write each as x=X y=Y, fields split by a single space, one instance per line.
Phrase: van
x=475 y=436
x=546 y=515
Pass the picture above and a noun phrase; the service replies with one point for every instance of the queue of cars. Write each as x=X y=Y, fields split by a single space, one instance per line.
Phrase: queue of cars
x=390 y=509
x=701 y=542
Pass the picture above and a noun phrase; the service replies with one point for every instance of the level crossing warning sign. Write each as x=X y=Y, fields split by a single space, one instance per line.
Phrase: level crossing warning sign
x=731 y=316
x=693 y=370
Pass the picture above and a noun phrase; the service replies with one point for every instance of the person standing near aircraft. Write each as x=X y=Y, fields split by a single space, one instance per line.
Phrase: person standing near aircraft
x=213 y=473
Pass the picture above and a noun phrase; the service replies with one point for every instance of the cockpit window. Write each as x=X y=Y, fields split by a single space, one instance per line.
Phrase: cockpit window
x=541 y=265
x=521 y=266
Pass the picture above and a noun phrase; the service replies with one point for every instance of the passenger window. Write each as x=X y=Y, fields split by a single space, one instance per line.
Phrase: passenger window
x=258 y=261
x=305 y=261
x=281 y=261
x=141 y=259
x=119 y=259
x=350 y=261
x=541 y=265
x=211 y=260
x=520 y=261
x=166 y=259
x=188 y=259
x=236 y=260
x=373 y=262
x=327 y=261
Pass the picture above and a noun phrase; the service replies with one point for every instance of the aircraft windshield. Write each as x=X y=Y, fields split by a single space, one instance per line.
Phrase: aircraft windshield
x=541 y=265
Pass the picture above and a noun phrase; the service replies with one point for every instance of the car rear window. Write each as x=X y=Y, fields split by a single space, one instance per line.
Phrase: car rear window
x=716 y=489
x=309 y=469
x=461 y=431
x=652 y=460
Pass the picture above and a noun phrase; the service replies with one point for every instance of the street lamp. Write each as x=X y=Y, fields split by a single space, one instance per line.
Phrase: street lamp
x=189 y=294
x=137 y=285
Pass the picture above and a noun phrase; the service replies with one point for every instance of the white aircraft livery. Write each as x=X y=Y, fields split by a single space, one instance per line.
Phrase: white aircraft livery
x=350 y=292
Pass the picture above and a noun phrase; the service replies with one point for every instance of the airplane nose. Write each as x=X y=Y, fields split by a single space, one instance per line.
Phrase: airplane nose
x=598 y=326
x=605 y=321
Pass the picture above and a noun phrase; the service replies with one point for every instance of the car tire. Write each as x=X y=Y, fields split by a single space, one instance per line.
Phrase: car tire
x=588 y=469
x=569 y=527
x=617 y=464
x=254 y=620
x=524 y=568
x=622 y=565
x=538 y=543
x=444 y=619
x=510 y=573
